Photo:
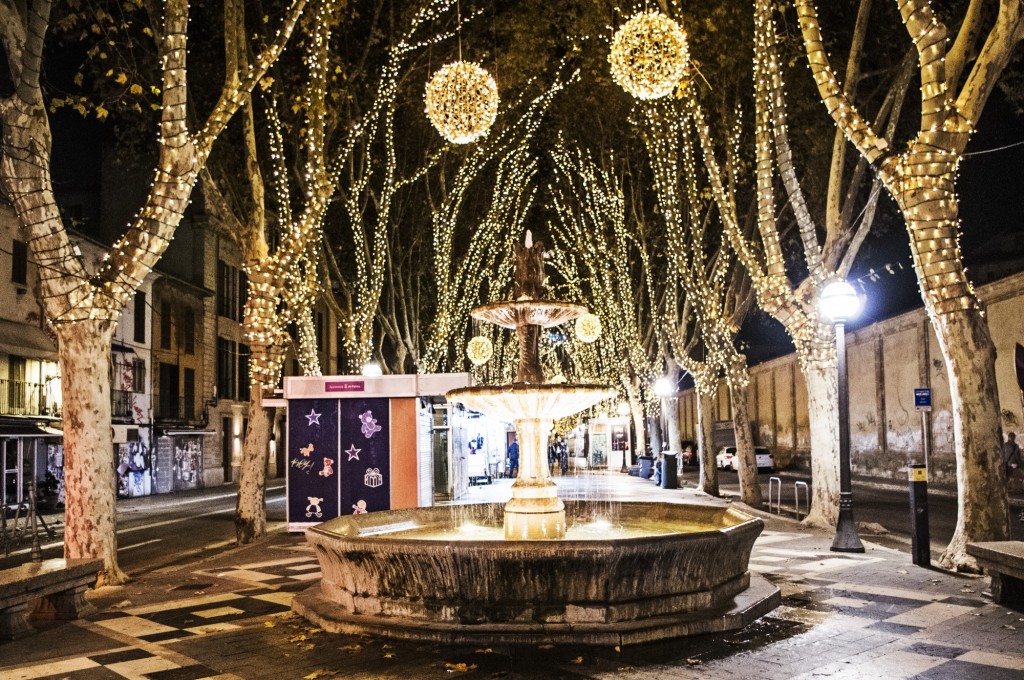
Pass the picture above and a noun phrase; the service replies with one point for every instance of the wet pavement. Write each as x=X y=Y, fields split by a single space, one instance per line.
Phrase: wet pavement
x=872 y=615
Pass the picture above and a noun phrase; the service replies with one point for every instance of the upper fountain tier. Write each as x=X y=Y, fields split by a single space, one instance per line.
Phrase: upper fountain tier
x=518 y=313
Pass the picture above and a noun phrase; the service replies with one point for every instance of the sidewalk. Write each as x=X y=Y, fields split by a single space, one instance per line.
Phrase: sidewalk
x=873 y=616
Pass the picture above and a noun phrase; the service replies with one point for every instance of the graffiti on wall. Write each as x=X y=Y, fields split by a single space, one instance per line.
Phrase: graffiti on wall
x=133 y=470
x=188 y=463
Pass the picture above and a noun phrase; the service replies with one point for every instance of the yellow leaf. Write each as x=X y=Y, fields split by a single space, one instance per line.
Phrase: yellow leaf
x=148 y=31
x=101 y=113
x=269 y=624
x=389 y=655
x=578 y=659
x=155 y=107
x=460 y=667
x=312 y=676
x=109 y=73
x=120 y=78
x=135 y=89
x=154 y=89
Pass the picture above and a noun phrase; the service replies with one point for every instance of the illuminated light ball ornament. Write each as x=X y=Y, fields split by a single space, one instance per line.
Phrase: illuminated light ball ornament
x=462 y=101
x=479 y=350
x=649 y=55
x=588 y=327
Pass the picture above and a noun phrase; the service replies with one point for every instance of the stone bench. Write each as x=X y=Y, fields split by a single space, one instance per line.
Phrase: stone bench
x=1004 y=562
x=53 y=589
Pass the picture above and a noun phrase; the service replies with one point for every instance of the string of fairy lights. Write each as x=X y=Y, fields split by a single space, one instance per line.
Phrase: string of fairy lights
x=68 y=292
x=487 y=243
x=922 y=177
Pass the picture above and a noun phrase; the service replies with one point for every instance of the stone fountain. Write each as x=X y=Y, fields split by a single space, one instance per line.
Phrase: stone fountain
x=537 y=570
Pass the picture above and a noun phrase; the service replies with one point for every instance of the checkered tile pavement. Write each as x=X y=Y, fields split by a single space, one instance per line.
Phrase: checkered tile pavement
x=871 y=616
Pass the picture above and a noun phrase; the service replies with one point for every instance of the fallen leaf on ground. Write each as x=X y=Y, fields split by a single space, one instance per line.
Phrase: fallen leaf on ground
x=459 y=667
x=578 y=659
x=351 y=649
x=485 y=651
x=389 y=655
x=322 y=673
x=269 y=624
x=693 y=662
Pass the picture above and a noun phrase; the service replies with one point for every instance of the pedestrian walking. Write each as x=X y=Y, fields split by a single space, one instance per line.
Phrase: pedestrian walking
x=513 y=459
x=1012 y=461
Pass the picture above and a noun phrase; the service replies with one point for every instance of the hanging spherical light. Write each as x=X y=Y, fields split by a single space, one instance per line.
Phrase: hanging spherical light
x=649 y=55
x=462 y=101
x=479 y=350
x=588 y=328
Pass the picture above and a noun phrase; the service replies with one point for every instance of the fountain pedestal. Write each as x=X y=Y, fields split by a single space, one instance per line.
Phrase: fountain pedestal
x=535 y=511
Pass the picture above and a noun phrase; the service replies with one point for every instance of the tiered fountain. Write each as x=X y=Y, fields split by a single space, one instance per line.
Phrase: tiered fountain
x=540 y=570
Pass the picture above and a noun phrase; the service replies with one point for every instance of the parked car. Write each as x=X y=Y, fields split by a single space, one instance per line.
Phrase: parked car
x=725 y=457
x=728 y=460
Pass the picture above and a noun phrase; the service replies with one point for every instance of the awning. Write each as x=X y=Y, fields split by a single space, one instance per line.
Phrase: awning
x=122 y=348
x=28 y=430
x=24 y=340
x=198 y=433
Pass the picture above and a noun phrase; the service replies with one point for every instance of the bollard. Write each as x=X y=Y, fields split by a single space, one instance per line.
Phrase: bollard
x=669 y=471
x=920 y=549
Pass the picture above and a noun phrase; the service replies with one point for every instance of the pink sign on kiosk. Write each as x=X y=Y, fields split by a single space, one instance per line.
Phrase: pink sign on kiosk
x=345 y=386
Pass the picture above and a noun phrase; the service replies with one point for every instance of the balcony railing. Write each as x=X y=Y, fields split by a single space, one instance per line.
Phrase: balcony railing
x=20 y=398
x=121 y=404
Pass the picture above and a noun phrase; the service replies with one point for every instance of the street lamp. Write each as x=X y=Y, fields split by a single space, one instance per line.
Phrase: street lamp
x=664 y=387
x=839 y=304
x=372 y=369
x=623 y=410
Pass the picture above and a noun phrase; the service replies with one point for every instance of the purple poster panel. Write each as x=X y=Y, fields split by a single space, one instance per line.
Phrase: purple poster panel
x=312 y=460
x=365 y=455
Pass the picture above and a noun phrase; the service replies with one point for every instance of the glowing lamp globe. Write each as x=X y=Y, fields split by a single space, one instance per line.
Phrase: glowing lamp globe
x=622 y=408
x=462 y=101
x=372 y=369
x=663 y=387
x=649 y=55
x=479 y=350
x=588 y=328
x=840 y=302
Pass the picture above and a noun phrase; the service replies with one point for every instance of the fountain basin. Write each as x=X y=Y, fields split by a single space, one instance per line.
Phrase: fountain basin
x=667 y=570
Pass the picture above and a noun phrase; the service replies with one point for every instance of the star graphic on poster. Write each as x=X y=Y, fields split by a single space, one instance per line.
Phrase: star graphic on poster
x=313 y=417
x=353 y=452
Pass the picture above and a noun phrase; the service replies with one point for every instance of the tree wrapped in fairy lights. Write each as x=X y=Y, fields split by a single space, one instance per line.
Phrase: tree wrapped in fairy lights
x=465 y=247
x=702 y=271
x=83 y=306
x=599 y=257
x=920 y=175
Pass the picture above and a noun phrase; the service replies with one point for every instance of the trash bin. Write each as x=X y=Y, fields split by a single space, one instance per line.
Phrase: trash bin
x=670 y=471
x=646 y=466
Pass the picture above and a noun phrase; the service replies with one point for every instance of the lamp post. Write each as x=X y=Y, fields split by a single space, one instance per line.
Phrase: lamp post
x=623 y=410
x=663 y=389
x=839 y=304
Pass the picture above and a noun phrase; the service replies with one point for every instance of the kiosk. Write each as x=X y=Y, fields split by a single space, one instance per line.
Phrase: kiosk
x=354 y=444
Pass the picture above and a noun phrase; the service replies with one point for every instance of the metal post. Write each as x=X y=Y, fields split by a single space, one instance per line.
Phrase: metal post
x=920 y=546
x=846 y=539
x=925 y=437
x=36 y=553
